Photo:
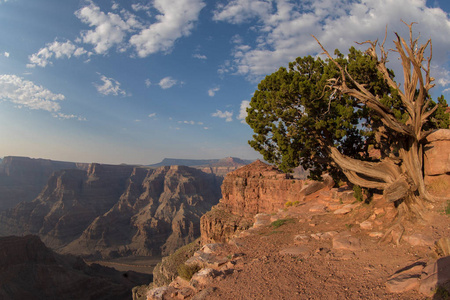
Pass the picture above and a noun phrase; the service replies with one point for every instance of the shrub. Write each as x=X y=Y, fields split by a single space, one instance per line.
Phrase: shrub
x=287 y=204
x=187 y=271
x=447 y=208
x=278 y=223
x=357 y=193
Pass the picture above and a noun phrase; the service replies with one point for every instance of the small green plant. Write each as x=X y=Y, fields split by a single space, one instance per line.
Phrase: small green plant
x=296 y=202
x=229 y=256
x=447 y=208
x=288 y=204
x=357 y=193
x=187 y=271
x=442 y=293
x=348 y=226
x=340 y=201
x=278 y=223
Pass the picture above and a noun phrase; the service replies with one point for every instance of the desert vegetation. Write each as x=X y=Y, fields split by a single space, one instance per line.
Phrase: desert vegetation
x=326 y=115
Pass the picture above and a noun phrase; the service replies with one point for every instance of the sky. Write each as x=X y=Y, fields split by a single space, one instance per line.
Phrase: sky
x=115 y=81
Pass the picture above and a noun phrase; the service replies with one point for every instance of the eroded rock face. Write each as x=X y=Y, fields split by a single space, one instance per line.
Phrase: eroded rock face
x=29 y=270
x=252 y=189
x=258 y=188
x=437 y=162
x=110 y=211
x=22 y=178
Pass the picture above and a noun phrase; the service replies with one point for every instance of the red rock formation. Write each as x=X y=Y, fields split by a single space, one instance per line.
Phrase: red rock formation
x=437 y=162
x=258 y=188
x=252 y=189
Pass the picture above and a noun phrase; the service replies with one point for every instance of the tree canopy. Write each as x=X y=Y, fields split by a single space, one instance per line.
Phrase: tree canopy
x=325 y=115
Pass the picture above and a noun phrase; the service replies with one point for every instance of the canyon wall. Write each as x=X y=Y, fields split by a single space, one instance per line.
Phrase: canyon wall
x=109 y=211
x=30 y=270
x=23 y=178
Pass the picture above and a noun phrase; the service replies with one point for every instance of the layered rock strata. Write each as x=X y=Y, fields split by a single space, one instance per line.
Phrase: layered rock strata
x=23 y=178
x=250 y=190
x=112 y=211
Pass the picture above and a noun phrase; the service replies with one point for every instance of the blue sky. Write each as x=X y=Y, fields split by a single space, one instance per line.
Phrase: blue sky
x=136 y=81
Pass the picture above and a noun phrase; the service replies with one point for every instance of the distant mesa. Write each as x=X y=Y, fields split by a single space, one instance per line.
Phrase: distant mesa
x=202 y=162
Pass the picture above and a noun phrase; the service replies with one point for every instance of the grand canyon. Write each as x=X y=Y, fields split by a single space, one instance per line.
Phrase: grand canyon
x=105 y=228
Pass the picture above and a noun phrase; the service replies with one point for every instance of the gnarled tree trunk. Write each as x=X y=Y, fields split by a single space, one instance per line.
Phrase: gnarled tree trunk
x=400 y=175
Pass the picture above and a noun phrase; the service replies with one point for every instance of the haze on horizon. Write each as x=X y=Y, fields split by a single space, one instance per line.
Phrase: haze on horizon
x=138 y=81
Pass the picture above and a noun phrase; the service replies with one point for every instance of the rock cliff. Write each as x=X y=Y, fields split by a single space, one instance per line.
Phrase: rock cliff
x=29 y=270
x=250 y=190
x=22 y=178
x=109 y=211
x=437 y=162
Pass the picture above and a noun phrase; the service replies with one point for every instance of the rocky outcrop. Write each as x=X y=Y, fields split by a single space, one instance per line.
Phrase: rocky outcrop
x=437 y=162
x=110 y=211
x=23 y=178
x=29 y=270
x=250 y=190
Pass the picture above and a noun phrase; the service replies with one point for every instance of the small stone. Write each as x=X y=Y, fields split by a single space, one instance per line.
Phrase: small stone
x=317 y=208
x=346 y=242
x=376 y=234
x=435 y=275
x=301 y=239
x=366 y=225
x=418 y=239
x=296 y=251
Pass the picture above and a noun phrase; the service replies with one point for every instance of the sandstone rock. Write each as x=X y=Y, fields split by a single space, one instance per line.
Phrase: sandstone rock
x=435 y=275
x=262 y=220
x=345 y=209
x=376 y=234
x=442 y=246
x=301 y=239
x=258 y=188
x=418 y=239
x=203 y=278
x=160 y=293
x=437 y=153
x=405 y=279
x=366 y=225
x=345 y=241
x=318 y=208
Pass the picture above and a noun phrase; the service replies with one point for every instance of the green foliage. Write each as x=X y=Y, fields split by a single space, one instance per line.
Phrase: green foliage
x=187 y=271
x=296 y=118
x=447 y=208
x=288 y=204
x=167 y=269
x=280 y=222
x=357 y=193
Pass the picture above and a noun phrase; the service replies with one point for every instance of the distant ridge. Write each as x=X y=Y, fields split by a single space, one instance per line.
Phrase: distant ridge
x=201 y=162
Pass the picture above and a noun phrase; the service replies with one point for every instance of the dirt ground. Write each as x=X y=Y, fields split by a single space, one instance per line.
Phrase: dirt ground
x=317 y=269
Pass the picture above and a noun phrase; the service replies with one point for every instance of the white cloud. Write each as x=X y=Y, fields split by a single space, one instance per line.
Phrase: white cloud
x=176 y=20
x=284 y=28
x=238 y=11
x=243 y=110
x=110 y=86
x=199 y=56
x=152 y=115
x=148 y=82
x=227 y=115
x=25 y=93
x=62 y=116
x=6 y=54
x=109 y=28
x=167 y=82
x=212 y=92
x=57 y=50
x=140 y=6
